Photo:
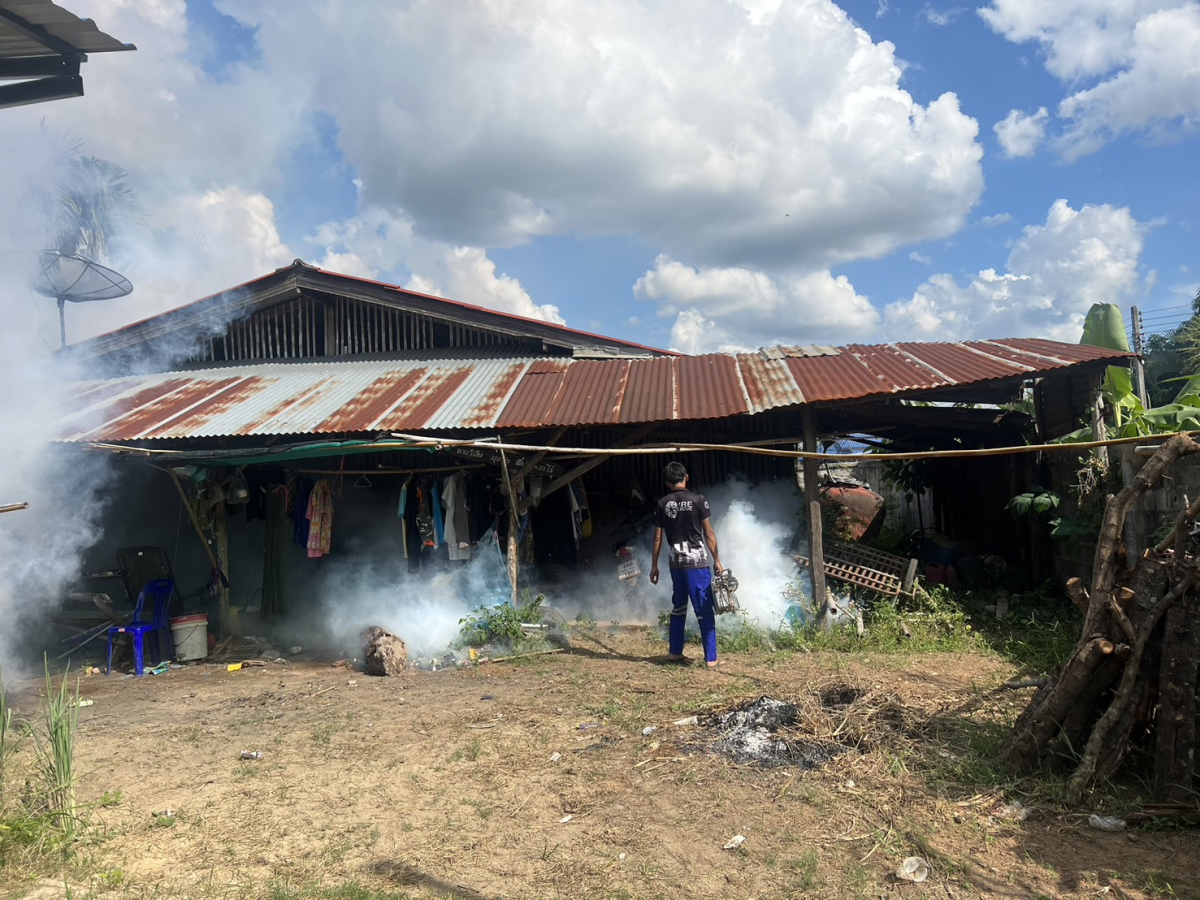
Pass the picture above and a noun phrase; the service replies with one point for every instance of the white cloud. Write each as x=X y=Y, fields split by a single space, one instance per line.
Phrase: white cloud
x=755 y=135
x=1019 y=133
x=732 y=308
x=723 y=133
x=997 y=219
x=921 y=258
x=1055 y=272
x=941 y=17
x=466 y=274
x=368 y=245
x=1136 y=58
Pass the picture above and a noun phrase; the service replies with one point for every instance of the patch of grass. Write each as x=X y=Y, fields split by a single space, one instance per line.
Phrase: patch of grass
x=469 y=751
x=806 y=876
x=352 y=890
x=323 y=734
x=485 y=811
x=193 y=735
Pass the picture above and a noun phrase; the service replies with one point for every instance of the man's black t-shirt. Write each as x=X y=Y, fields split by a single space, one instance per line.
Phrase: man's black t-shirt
x=679 y=515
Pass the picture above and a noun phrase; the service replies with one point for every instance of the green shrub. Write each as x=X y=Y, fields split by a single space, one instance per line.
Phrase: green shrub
x=501 y=623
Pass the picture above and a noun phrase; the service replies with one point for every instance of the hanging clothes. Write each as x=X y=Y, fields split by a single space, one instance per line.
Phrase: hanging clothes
x=320 y=519
x=435 y=509
x=300 y=523
x=454 y=499
x=424 y=514
x=581 y=515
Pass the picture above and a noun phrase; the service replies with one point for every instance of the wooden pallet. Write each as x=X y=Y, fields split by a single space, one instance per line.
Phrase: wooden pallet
x=875 y=570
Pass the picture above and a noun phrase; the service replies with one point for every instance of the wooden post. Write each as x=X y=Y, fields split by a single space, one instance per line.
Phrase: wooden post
x=513 y=525
x=221 y=534
x=1099 y=428
x=812 y=501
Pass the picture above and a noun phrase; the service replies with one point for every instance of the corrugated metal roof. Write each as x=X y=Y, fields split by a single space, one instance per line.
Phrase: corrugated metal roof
x=79 y=34
x=441 y=394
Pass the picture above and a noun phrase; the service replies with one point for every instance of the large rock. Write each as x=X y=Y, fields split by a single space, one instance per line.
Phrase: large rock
x=385 y=653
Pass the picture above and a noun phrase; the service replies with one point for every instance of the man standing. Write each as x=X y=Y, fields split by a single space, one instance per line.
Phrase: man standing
x=684 y=516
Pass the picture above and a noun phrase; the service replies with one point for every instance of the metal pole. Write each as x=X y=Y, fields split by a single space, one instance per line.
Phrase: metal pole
x=1139 y=365
x=62 y=322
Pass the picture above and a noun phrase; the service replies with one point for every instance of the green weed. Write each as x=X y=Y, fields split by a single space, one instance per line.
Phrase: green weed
x=502 y=623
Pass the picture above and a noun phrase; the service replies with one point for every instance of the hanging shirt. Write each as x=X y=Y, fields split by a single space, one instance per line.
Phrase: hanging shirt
x=320 y=519
x=679 y=515
x=454 y=499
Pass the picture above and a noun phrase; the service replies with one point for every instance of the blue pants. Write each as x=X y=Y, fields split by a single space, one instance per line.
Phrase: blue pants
x=694 y=585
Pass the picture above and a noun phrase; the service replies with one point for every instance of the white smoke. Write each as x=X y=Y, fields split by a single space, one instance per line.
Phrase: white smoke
x=41 y=547
x=368 y=587
x=754 y=525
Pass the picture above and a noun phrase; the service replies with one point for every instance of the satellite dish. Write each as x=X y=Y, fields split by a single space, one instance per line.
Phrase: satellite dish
x=69 y=276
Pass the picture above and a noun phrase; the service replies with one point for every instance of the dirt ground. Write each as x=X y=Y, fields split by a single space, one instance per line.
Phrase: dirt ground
x=481 y=783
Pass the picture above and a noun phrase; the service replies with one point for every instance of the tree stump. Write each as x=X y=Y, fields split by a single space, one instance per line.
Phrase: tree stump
x=384 y=654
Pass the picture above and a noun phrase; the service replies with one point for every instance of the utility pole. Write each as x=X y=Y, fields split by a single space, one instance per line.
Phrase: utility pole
x=1135 y=325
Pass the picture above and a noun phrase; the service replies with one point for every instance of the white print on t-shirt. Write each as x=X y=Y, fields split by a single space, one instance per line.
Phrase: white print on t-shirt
x=673 y=508
x=686 y=555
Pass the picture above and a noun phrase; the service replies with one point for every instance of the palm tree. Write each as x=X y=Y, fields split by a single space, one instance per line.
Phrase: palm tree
x=93 y=206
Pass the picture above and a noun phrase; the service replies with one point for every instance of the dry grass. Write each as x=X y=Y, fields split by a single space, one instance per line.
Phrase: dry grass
x=418 y=787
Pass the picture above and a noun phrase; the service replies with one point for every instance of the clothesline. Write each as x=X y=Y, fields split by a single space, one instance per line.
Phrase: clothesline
x=419 y=442
x=424 y=442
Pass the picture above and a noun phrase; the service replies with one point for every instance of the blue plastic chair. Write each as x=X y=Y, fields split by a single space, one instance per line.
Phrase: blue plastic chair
x=158 y=593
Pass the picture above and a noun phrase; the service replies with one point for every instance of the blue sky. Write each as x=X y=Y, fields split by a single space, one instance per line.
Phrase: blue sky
x=700 y=174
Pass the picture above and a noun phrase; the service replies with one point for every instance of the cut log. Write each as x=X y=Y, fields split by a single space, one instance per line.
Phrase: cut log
x=1041 y=721
x=1175 y=725
x=384 y=654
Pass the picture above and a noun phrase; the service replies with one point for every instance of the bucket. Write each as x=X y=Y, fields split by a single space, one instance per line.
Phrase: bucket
x=190 y=635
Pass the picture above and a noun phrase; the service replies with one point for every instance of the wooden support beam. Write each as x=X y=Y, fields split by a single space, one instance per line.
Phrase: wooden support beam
x=1099 y=427
x=539 y=456
x=513 y=525
x=221 y=533
x=586 y=467
x=812 y=501
x=196 y=523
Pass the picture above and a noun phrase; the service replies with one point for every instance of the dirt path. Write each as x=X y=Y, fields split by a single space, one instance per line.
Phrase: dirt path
x=460 y=784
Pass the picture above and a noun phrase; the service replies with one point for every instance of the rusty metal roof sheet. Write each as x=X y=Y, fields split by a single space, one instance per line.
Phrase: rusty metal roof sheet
x=443 y=393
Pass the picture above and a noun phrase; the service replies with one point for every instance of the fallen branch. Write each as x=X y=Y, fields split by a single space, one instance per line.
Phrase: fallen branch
x=497 y=659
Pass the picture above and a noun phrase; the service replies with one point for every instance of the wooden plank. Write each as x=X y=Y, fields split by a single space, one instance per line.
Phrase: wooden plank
x=583 y=468
x=513 y=525
x=812 y=499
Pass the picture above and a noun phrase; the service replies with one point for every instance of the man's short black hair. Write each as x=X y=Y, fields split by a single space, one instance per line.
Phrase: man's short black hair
x=675 y=473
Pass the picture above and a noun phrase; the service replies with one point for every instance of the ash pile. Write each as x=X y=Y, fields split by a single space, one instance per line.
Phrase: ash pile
x=764 y=733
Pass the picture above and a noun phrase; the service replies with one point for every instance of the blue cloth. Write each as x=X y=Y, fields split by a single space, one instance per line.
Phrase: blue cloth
x=439 y=528
x=694 y=585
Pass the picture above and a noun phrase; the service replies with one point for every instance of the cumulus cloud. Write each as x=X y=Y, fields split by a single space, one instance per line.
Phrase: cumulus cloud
x=755 y=135
x=736 y=309
x=1020 y=133
x=726 y=134
x=1055 y=272
x=1131 y=60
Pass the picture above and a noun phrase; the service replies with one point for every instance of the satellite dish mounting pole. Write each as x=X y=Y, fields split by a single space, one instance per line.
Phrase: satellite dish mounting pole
x=62 y=320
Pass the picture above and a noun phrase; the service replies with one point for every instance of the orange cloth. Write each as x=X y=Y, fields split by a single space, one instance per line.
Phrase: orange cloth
x=320 y=519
